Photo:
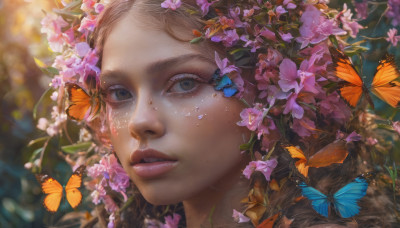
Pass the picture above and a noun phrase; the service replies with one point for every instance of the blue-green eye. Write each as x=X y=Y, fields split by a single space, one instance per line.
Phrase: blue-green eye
x=117 y=94
x=184 y=85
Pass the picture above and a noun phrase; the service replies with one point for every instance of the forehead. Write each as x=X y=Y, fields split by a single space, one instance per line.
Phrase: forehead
x=137 y=34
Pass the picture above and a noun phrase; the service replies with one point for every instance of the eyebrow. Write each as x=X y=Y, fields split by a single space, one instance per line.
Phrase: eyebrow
x=161 y=65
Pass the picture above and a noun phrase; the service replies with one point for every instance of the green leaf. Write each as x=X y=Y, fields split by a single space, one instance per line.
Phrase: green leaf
x=38 y=140
x=46 y=93
x=196 y=40
x=71 y=149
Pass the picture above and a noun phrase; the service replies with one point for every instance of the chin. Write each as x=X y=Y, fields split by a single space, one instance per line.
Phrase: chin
x=161 y=199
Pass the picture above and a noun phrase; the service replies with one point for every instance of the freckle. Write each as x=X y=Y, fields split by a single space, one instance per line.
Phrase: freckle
x=197 y=125
x=150 y=102
x=214 y=95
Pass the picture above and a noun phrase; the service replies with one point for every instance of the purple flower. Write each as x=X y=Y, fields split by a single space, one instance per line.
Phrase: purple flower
x=171 y=221
x=280 y=10
x=361 y=9
x=239 y=217
x=393 y=11
x=289 y=4
x=82 y=48
x=392 y=38
x=266 y=167
x=172 y=4
x=371 y=141
x=205 y=5
x=291 y=106
x=287 y=37
x=353 y=136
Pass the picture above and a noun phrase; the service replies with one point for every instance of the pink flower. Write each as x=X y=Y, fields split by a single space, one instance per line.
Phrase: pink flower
x=315 y=27
x=303 y=127
x=349 y=24
x=251 y=117
x=288 y=76
x=88 y=5
x=392 y=38
x=396 y=126
x=239 y=217
x=172 y=4
x=371 y=141
x=223 y=65
x=205 y=5
x=291 y=106
x=88 y=24
x=265 y=167
x=52 y=25
x=171 y=222
x=289 y=4
x=227 y=37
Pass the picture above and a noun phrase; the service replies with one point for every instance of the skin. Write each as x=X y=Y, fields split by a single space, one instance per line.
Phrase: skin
x=153 y=102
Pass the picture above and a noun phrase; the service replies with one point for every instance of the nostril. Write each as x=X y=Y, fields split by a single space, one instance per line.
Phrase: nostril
x=149 y=132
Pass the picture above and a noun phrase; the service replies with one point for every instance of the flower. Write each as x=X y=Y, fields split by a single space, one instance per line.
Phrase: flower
x=171 y=222
x=392 y=38
x=223 y=65
x=171 y=4
x=393 y=10
x=265 y=167
x=251 y=117
x=205 y=5
x=349 y=24
x=396 y=126
x=239 y=217
x=315 y=27
x=291 y=106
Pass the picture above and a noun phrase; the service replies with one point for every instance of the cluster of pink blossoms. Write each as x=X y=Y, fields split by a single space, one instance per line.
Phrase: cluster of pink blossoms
x=291 y=49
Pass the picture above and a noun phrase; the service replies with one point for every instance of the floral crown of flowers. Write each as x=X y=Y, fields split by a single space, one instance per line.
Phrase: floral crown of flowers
x=286 y=42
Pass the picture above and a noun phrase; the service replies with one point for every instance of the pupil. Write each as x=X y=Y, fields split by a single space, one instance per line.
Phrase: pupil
x=122 y=94
x=187 y=84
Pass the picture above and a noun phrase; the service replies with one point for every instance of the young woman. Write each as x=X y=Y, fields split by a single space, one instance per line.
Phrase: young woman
x=234 y=136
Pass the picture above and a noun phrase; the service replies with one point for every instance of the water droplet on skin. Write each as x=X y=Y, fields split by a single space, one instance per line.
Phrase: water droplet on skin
x=187 y=114
x=200 y=117
x=226 y=109
x=155 y=108
x=196 y=108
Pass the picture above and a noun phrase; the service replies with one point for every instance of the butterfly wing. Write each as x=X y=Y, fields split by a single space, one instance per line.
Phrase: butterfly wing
x=383 y=84
x=54 y=192
x=74 y=196
x=335 y=152
x=301 y=164
x=345 y=200
x=352 y=89
x=80 y=102
x=319 y=201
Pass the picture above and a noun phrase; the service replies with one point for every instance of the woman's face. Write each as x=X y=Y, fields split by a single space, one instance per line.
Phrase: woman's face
x=175 y=136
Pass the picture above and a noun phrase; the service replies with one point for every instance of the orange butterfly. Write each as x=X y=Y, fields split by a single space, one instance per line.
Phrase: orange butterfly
x=81 y=103
x=335 y=152
x=54 y=190
x=384 y=84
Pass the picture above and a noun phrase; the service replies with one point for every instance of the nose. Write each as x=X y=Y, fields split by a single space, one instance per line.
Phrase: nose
x=146 y=121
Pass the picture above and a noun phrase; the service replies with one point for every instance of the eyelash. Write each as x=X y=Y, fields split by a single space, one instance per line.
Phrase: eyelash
x=109 y=90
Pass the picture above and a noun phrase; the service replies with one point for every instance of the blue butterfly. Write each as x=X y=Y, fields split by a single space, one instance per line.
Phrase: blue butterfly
x=224 y=83
x=344 y=200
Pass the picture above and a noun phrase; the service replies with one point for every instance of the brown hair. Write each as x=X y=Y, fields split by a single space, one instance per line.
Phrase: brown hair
x=375 y=207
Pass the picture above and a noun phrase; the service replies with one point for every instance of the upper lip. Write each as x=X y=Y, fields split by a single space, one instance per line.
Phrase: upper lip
x=139 y=155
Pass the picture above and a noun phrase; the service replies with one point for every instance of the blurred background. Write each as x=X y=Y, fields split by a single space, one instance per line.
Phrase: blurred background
x=22 y=84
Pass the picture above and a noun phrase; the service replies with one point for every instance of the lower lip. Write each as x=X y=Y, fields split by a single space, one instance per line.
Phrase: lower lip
x=154 y=169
